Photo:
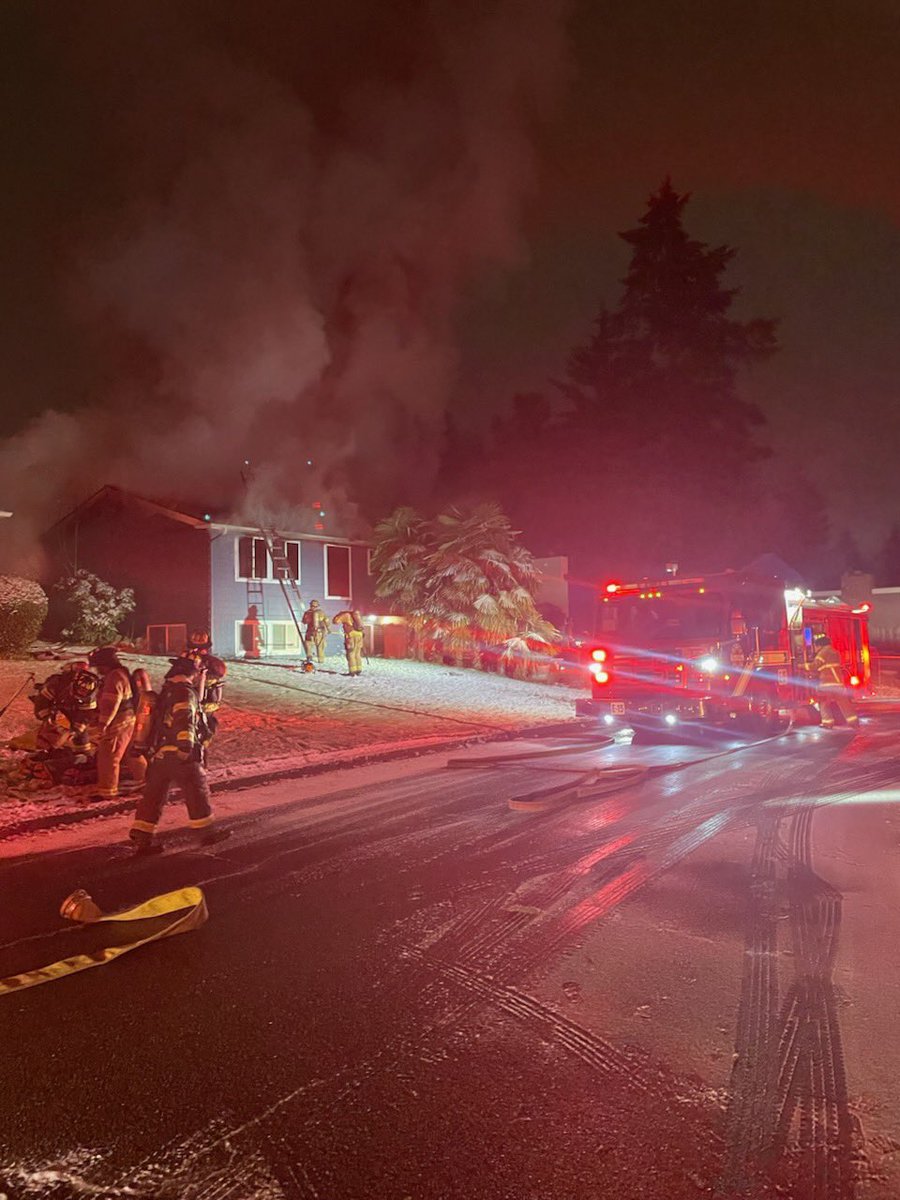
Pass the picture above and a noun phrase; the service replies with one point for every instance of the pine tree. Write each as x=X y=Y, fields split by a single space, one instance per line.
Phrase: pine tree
x=888 y=562
x=662 y=438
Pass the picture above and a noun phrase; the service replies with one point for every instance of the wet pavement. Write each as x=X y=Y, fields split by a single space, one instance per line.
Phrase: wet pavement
x=410 y=990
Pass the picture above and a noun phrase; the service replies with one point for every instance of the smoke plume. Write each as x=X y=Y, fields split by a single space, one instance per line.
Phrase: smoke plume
x=267 y=263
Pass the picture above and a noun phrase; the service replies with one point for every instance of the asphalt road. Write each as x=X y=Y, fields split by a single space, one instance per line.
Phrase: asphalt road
x=391 y=997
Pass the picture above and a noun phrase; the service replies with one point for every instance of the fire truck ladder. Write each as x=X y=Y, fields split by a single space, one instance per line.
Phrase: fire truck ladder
x=281 y=570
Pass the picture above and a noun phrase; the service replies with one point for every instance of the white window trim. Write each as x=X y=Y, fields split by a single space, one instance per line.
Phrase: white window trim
x=329 y=595
x=370 y=550
x=269 y=577
x=267 y=650
x=287 y=542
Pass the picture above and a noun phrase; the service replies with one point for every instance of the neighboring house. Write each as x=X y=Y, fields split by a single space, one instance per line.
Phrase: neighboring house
x=857 y=588
x=192 y=572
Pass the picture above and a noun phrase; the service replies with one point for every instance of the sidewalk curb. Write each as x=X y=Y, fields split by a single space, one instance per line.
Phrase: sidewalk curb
x=325 y=766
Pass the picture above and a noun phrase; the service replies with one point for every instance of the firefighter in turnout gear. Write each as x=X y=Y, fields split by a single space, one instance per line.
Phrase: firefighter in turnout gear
x=212 y=683
x=64 y=705
x=315 y=623
x=113 y=724
x=833 y=700
x=352 y=624
x=176 y=756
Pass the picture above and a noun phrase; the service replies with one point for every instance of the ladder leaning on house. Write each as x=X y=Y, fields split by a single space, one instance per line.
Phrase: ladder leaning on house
x=281 y=570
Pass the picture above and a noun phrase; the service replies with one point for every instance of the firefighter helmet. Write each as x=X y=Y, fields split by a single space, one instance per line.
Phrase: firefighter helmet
x=82 y=684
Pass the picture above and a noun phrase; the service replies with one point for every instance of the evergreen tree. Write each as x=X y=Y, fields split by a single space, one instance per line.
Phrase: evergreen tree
x=656 y=448
x=888 y=562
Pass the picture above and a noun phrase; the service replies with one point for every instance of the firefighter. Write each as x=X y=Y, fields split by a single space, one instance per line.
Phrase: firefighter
x=252 y=633
x=144 y=704
x=350 y=619
x=113 y=724
x=316 y=624
x=833 y=699
x=63 y=705
x=213 y=682
x=176 y=756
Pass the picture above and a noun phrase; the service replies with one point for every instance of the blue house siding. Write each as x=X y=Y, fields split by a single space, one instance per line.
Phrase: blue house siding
x=231 y=595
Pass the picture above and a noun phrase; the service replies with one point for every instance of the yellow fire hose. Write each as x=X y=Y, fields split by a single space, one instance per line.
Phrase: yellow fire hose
x=187 y=906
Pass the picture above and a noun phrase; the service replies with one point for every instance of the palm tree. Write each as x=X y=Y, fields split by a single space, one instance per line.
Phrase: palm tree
x=462 y=580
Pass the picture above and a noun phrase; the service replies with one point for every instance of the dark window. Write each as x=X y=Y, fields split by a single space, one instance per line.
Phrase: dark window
x=337 y=572
x=252 y=558
x=291 y=552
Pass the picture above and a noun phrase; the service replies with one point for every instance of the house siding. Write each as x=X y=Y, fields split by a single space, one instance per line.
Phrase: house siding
x=231 y=596
x=164 y=561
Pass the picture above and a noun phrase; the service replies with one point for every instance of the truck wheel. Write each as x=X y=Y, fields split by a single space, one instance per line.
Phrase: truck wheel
x=765 y=717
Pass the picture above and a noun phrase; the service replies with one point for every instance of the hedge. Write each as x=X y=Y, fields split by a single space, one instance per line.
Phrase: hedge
x=23 y=610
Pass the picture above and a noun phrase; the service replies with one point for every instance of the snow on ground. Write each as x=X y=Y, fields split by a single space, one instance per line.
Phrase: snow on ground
x=276 y=718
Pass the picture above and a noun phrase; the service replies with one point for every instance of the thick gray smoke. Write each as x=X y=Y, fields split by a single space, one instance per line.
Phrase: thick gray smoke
x=275 y=272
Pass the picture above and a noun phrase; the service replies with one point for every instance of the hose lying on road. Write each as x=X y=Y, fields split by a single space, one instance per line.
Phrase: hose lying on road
x=187 y=906
x=586 y=787
x=589 y=783
x=579 y=746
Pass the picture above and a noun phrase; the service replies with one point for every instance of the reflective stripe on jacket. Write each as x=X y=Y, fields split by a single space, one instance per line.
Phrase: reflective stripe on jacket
x=828 y=665
x=178 y=732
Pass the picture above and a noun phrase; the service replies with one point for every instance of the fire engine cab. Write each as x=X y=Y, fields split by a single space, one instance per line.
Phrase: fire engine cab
x=727 y=650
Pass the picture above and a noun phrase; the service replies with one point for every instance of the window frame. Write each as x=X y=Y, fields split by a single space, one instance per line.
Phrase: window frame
x=329 y=594
x=287 y=542
x=270 y=576
x=239 y=578
x=267 y=649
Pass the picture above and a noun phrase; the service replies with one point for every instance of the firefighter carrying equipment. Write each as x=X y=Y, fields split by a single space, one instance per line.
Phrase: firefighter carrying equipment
x=113 y=724
x=176 y=751
x=351 y=620
x=315 y=622
x=186 y=907
x=833 y=701
x=64 y=704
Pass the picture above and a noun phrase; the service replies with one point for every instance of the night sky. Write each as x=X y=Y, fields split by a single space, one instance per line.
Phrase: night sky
x=296 y=231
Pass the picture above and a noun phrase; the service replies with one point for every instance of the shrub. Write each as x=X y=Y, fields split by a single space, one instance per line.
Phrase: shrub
x=23 y=610
x=94 y=609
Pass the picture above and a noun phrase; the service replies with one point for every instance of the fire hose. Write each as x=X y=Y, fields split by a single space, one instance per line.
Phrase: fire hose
x=186 y=907
x=29 y=678
x=592 y=782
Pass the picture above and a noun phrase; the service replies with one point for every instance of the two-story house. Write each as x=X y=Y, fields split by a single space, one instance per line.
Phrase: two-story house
x=195 y=572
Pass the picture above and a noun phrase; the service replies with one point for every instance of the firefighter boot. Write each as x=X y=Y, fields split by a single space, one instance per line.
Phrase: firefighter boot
x=142 y=843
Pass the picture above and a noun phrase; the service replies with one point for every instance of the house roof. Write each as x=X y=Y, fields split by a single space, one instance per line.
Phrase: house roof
x=110 y=491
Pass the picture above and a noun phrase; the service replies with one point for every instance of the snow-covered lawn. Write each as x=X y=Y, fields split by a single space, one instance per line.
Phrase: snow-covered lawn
x=275 y=718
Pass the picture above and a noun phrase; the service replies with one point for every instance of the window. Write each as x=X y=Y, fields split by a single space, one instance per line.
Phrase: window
x=166 y=639
x=253 y=558
x=275 y=637
x=254 y=561
x=337 y=572
x=283 y=637
x=289 y=551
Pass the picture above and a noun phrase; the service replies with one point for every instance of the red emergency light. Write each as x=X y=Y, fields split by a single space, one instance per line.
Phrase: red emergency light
x=599 y=665
x=863 y=608
x=612 y=588
x=855 y=681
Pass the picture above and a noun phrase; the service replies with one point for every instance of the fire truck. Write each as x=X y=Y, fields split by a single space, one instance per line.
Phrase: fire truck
x=730 y=650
